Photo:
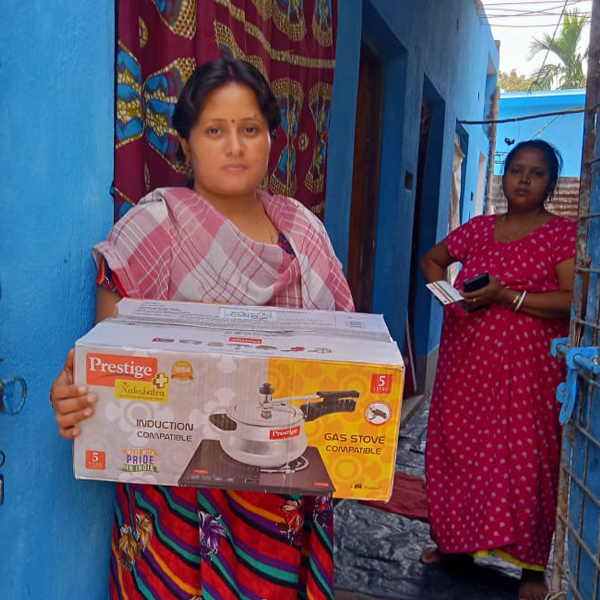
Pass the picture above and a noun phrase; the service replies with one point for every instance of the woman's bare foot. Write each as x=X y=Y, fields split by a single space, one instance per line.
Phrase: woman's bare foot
x=433 y=556
x=533 y=585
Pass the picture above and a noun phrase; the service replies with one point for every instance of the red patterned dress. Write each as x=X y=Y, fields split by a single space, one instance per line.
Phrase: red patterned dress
x=493 y=441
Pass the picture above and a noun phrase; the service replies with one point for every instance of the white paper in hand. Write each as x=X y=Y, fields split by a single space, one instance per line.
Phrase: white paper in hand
x=444 y=292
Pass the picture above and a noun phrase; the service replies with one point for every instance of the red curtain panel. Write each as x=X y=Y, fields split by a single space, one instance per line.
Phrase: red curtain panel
x=160 y=43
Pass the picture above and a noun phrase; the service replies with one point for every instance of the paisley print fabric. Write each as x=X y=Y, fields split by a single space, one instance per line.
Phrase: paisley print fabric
x=292 y=42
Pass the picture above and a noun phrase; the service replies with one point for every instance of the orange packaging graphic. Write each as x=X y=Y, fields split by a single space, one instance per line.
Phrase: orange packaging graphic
x=281 y=434
x=245 y=340
x=95 y=460
x=104 y=369
x=358 y=447
x=182 y=370
x=381 y=383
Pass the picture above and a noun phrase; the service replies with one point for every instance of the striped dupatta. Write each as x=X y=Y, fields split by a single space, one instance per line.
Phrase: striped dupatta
x=173 y=245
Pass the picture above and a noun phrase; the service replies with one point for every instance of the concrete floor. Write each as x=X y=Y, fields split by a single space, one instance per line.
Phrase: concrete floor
x=410 y=407
x=377 y=552
x=346 y=595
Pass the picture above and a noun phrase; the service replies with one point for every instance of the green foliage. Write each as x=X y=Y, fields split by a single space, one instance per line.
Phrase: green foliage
x=569 y=72
x=511 y=82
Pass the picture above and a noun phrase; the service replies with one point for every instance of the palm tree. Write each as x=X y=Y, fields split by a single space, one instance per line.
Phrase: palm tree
x=569 y=74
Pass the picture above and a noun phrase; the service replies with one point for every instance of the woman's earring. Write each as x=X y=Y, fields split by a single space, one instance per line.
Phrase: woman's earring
x=188 y=166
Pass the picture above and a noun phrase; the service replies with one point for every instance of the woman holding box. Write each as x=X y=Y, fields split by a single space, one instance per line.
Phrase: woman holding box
x=223 y=241
x=493 y=441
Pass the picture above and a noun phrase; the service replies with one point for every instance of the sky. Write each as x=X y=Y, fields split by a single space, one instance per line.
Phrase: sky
x=516 y=23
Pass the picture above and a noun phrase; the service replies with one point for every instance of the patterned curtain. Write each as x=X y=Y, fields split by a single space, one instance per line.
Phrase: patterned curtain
x=292 y=42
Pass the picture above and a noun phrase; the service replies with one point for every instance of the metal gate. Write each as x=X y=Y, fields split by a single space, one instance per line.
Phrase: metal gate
x=578 y=519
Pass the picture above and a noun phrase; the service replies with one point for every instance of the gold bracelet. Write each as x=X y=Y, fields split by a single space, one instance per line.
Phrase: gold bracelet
x=516 y=299
x=520 y=302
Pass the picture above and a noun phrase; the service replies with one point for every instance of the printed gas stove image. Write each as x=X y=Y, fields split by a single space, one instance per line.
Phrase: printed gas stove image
x=263 y=445
x=211 y=467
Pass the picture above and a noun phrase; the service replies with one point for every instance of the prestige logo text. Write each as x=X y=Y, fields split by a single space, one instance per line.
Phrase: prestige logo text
x=104 y=369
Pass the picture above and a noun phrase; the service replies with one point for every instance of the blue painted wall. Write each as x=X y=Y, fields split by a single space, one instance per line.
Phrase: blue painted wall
x=447 y=43
x=56 y=134
x=56 y=65
x=565 y=131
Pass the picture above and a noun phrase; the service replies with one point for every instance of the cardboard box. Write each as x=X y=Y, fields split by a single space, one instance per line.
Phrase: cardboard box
x=240 y=397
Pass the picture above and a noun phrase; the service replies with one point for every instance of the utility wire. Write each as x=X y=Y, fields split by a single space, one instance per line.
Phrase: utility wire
x=548 y=49
x=530 y=10
x=570 y=111
x=532 y=26
x=542 y=129
x=495 y=12
x=586 y=15
x=502 y=4
x=524 y=11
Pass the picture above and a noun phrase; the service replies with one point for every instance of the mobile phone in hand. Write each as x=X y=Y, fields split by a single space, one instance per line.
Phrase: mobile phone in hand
x=473 y=284
x=476 y=283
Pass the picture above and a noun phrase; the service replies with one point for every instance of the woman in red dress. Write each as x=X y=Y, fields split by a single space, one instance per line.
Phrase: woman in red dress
x=493 y=442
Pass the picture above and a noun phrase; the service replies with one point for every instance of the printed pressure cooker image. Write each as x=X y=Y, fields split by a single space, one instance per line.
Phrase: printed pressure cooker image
x=269 y=432
x=263 y=446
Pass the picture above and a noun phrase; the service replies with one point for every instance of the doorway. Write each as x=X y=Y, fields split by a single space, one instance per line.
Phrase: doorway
x=427 y=200
x=365 y=181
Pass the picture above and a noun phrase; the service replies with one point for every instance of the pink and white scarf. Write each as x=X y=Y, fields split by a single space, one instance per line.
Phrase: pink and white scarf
x=173 y=245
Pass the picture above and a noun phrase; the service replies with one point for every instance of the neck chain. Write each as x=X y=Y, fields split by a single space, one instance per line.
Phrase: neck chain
x=268 y=223
x=519 y=233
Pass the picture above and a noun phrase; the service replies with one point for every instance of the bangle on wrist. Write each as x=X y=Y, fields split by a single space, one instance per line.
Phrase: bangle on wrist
x=520 y=301
x=515 y=300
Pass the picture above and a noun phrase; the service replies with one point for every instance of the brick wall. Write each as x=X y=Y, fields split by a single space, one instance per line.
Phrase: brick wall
x=565 y=202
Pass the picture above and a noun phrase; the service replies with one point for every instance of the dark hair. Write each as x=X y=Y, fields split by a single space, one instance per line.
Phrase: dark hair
x=553 y=158
x=211 y=75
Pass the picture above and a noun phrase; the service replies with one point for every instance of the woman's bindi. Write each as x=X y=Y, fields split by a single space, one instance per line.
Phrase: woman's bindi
x=233 y=121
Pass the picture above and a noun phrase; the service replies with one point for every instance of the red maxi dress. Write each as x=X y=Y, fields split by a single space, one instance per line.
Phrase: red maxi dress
x=493 y=441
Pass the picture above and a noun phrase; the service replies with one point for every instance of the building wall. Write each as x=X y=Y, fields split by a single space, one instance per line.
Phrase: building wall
x=565 y=131
x=56 y=124
x=57 y=136
x=446 y=44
